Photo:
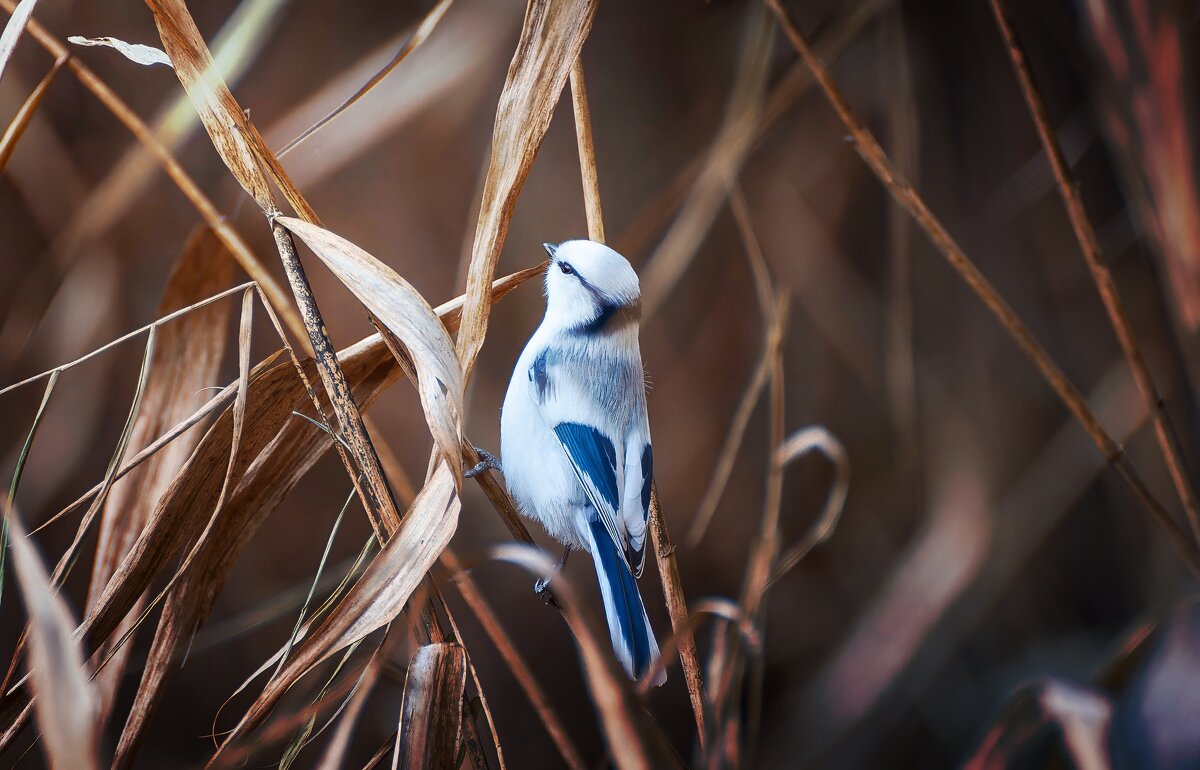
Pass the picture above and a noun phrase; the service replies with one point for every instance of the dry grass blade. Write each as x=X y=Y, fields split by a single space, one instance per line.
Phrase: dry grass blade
x=431 y=714
x=66 y=704
x=800 y=443
x=294 y=447
x=187 y=358
x=1089 y=243
x=18 y=471
x=729 y=151
x=12 y=134
x=13 y=29
x=551 y=39
x=877 y=160
x=377 y=597
x=423 y=30
x=395 y=303
x=634 y=741
x=135 y=52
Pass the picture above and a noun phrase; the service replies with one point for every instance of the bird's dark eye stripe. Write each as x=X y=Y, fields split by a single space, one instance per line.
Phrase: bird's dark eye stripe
x=563 y=266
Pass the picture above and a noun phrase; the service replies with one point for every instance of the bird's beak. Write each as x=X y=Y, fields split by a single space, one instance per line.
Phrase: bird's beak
x=550 y=248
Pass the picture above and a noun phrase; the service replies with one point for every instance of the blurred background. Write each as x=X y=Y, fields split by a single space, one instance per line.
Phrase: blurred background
x=984 y=545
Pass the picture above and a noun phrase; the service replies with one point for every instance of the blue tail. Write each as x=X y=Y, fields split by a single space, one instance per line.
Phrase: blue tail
x=632 y=638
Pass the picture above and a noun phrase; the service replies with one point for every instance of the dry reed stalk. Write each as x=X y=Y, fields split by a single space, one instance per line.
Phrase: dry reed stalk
x=12 y=134
x=664 y=550
x=1089 y=244
x=877 y=160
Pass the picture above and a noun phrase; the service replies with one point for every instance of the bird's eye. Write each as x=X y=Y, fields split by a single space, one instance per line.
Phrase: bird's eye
x=567 y=269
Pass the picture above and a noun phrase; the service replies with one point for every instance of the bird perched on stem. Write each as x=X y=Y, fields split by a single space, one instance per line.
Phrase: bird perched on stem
x=574 y=436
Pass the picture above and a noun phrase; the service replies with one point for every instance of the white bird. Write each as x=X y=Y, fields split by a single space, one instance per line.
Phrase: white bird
x=574 y=436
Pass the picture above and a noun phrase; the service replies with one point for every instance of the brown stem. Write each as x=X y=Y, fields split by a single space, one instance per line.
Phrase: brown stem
x=1090 y=245
x=877 y=160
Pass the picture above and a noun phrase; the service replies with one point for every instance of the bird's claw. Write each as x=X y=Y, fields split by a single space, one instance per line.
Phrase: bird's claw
x=541 y=587
x=487 y=462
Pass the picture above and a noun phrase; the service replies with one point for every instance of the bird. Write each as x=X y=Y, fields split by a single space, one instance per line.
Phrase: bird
x=575 y=446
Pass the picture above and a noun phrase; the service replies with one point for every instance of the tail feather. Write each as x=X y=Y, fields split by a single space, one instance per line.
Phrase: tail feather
x=632 y=638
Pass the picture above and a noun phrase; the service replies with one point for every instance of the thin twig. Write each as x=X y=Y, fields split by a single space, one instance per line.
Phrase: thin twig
x=877 y=160
x=1090 y=245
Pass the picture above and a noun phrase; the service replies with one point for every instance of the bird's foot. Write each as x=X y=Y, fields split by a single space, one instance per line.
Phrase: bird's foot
x=542 y=586
x=488 y=461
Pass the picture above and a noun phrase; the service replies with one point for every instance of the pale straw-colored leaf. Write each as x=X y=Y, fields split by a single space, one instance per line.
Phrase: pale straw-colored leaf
x=402 y=309
x=550 y=42
x=66 y=700
x=137 y=53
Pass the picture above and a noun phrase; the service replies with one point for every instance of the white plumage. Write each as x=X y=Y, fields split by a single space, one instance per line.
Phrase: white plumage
x=574 y=437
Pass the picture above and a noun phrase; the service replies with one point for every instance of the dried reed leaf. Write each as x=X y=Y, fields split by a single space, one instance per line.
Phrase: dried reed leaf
x=66 y=701
x=634 y=741
x=224 y=120
x=275 y=472
x=406 y=314
x=423 y=31
x=16 y=128
x=187 y=358
x=431 y=713
x=551 y=39
x=135 y=52
x=377 y=597
x=13 y=29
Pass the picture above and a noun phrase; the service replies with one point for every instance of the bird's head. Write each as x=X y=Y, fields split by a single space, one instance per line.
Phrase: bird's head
x=591 y=289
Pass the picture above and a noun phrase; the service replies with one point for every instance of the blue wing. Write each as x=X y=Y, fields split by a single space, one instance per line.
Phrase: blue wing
x=588 y=430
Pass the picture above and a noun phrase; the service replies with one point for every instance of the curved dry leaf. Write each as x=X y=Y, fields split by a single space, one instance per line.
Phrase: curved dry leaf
x=134 y=52
x=13 y=29
x=431 y=712
x=551 y=39
x=66 y=704
x=378 y=596
x=406 y=314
